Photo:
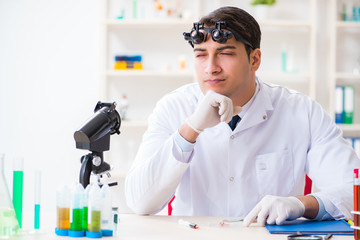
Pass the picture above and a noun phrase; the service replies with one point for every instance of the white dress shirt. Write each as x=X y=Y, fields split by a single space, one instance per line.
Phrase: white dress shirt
x=282 y=136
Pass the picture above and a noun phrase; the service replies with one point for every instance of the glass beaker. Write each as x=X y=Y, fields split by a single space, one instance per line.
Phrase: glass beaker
x=8 y=222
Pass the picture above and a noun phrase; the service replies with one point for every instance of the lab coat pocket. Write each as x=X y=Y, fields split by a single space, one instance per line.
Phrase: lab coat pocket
x=275 y=173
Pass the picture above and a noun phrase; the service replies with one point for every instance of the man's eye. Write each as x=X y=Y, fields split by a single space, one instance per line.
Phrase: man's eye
x=199 y=55
x=227 y=53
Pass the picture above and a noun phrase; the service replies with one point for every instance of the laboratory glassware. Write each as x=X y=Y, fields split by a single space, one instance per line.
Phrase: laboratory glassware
x=76 y=211
x=18 y=175
x=62 y=211
x=94 y=212
x=37 y=195
x=8 y=222
x=106 y=212
x=85 y=208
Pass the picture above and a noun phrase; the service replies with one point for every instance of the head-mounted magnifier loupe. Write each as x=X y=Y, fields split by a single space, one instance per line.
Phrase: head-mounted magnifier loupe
x=199 y=33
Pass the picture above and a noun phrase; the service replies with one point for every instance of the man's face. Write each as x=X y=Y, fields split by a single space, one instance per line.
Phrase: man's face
x=225 y=68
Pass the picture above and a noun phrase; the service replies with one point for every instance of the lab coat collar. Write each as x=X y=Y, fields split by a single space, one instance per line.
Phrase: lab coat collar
x=259 y=111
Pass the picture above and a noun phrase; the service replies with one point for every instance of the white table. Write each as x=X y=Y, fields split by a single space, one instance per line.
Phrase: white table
x=166 y=227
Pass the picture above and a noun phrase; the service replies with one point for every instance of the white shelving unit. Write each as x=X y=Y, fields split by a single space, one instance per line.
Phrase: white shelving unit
x=160 y=42
x=342 y=61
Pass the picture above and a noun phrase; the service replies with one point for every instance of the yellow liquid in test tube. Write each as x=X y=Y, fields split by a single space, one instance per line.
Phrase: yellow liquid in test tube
x=95 y=221
x=63 y=218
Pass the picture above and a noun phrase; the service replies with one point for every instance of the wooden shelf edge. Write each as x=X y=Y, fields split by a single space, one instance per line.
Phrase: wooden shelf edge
x=350 y=127
x=349 y=24
x=346 y=75
x=148 y=73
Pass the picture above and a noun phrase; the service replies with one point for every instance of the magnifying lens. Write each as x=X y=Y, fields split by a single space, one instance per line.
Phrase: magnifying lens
x=308 y=237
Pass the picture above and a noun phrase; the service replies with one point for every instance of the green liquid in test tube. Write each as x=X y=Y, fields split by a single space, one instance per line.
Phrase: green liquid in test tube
x=37 y=199
x=77 y=217
x=85 y=209
x=18 y=188
x=37 y=216
x=76 y=211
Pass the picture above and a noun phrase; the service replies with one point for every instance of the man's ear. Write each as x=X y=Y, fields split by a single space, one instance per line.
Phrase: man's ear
x=255 y=59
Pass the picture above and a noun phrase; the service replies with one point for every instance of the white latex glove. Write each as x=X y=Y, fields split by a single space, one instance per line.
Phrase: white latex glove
x=273 y=209
x=212 y=110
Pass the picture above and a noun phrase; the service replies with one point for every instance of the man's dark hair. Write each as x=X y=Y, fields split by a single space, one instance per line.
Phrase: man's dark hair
x=238 y=20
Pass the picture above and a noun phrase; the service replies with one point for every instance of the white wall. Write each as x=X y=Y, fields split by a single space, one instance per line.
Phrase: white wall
x=48 y=87
x=49 y=72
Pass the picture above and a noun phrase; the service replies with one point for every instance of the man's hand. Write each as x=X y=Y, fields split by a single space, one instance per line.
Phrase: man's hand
x=212 y=110
x=272 y=209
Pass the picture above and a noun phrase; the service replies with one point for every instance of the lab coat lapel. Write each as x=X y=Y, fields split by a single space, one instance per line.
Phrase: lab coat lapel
x=259 y=111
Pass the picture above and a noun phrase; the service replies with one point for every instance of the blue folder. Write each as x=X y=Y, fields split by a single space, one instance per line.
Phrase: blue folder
x=339 y=227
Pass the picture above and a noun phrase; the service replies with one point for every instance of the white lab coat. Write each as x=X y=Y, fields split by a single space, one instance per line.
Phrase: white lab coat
x=283 y=135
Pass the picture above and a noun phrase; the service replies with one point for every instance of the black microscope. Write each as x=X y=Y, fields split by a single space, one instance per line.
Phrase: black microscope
x=94 y=136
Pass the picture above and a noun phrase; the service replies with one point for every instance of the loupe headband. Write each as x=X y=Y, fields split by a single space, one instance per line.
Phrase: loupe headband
x=199 y=32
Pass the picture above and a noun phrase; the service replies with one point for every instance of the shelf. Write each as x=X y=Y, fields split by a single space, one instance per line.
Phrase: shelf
x=137 y=23
x=346 y=75
x=284 y=76
x=148 y=73
x=285 y=23
x=343 y=24
x=349 y=127
x=159 y=73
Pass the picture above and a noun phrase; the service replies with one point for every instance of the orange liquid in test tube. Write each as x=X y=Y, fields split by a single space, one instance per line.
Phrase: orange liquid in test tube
x=63 y=218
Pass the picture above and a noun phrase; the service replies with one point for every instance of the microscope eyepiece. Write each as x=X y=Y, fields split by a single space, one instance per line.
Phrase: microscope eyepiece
x=94 y=135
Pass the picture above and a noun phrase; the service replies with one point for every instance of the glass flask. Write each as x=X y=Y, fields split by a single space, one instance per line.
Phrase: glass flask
x=8 y=222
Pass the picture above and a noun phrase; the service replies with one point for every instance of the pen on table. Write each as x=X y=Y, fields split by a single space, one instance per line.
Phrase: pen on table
x=224 y=221
x=186 y=223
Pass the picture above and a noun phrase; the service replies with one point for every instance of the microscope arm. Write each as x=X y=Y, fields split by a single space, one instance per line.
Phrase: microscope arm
x=85 y=170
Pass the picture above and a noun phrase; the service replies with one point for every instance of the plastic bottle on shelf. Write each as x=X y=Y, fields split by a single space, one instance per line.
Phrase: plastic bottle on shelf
x=123 y=106
x=106 y=212
x=94 y=212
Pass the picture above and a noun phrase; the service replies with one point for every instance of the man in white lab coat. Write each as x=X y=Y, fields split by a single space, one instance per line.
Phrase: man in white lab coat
x=256 y=170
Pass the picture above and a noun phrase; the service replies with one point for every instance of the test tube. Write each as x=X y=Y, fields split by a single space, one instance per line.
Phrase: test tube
x=63 y=211
x=85 y=208
x=18 y=174
x=76 y=211
x=115 y=217
x=94 y=212
x=37 y=194
x=106 y=212
x=8 y=223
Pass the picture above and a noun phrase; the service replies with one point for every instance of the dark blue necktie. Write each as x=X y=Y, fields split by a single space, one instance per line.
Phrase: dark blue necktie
x=233 y=122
